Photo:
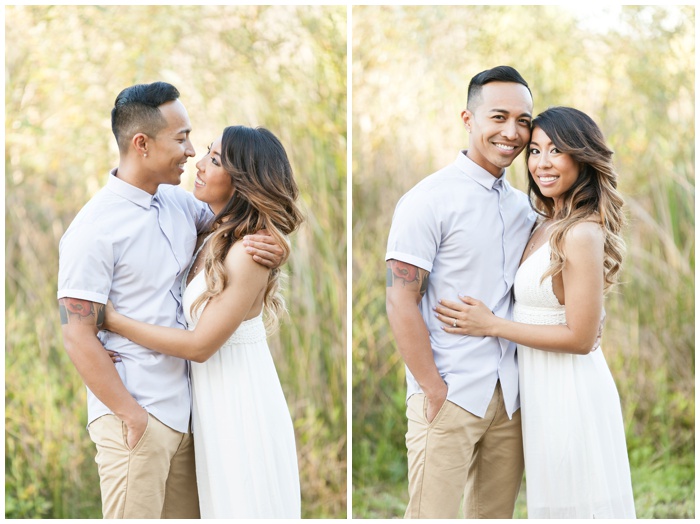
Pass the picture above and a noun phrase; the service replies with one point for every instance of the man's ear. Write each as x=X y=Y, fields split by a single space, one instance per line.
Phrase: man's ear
x=140 y=143
x=467 y=118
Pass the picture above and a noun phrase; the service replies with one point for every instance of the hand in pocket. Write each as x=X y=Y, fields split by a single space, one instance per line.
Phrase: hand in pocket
x=136 y=428
x=434 y=404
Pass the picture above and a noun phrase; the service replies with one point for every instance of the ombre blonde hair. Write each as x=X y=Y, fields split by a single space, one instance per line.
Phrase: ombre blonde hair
x=594 y=195
x=264 y=197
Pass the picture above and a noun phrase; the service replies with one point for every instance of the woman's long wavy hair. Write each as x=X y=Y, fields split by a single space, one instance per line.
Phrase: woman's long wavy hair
x=264 y=197
x=594 y=195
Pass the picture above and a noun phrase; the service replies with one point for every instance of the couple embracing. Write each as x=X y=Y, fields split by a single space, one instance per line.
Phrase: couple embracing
x=495 y=299
x=161 y=296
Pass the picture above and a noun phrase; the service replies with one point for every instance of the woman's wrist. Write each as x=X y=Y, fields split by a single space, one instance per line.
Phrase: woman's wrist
x=116 y=322
x=495 y=326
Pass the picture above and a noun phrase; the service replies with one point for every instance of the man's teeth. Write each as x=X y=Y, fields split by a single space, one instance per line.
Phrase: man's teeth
x=504 y=147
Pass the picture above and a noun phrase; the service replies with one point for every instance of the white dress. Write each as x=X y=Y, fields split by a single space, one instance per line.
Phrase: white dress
x=576 y=463
x=245 y=453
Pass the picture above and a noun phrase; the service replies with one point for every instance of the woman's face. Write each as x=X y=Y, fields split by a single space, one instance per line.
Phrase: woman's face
x=213 y=184
x=554 y=172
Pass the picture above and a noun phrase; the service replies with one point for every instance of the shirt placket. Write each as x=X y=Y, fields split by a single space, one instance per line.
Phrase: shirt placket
x=166 y=231
x=498 y=187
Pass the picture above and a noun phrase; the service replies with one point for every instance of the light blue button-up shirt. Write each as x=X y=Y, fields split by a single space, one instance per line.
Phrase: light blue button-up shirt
x=133 y=248
x=468 y=229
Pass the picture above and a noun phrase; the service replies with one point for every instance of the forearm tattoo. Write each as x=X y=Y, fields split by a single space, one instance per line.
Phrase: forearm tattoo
x=407 y=275
x=78 y=311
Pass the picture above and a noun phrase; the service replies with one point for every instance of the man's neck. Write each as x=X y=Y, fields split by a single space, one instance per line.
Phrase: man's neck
x=485 y=168
x=132 y=175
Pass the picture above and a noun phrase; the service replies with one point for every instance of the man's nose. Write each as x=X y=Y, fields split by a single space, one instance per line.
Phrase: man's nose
x=510 y=130
x=189 y=150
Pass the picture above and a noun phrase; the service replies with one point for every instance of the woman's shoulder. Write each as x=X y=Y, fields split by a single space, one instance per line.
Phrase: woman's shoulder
x=238 y=260
x=587 y=233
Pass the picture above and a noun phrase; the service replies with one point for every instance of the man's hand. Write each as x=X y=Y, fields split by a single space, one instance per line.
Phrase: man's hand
x=435 y=402
x=136 y=425
x=265 y=249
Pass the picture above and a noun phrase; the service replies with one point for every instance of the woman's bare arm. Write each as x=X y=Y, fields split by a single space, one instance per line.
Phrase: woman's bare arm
x=583 y=284
x=240 y=300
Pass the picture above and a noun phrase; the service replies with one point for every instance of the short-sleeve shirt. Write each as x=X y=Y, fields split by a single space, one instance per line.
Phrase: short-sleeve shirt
x=133 y=248
x=468 y=229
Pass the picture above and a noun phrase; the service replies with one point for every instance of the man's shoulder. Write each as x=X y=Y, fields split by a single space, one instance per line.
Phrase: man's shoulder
x=177 y=196
x=444 y=180
x=176 y=193
x=519 y=194
x=94 y=210
x=521 y=198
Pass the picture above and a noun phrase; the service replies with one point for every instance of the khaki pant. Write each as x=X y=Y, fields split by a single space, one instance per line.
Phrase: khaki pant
x=155 y=479
x=461 y=456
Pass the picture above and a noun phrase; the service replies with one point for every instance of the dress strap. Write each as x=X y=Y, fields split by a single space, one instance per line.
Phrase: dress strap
x=200 y=247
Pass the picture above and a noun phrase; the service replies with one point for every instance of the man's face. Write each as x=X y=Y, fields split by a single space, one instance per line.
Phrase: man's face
x=499 y=125
x=169 y=150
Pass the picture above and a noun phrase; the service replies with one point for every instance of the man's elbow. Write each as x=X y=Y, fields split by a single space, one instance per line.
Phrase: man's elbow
x=389 y=306
x=395 y=302
x=72 y=342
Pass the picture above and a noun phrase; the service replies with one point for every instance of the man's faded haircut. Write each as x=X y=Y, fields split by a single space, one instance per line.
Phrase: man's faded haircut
x=497 y=74
x=136 y=110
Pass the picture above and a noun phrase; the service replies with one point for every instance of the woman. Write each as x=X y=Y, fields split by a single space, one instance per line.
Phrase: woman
x=244 y=439
x=574 y=441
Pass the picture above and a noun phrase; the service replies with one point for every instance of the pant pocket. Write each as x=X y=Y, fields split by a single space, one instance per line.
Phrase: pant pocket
x=438 y=415
x=125 y=433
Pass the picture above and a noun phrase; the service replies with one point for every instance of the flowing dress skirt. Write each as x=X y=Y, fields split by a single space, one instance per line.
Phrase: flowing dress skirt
x=576 y=463
x=245 y=450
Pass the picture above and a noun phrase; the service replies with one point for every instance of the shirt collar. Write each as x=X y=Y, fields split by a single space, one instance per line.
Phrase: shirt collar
x=478 y=173
x=129 y=192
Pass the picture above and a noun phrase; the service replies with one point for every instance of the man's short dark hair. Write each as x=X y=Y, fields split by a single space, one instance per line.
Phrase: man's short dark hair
x=497 y=74
x=136 y=110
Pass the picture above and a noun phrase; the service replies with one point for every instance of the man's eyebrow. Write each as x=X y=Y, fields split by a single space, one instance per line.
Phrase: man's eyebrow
x=186 y=130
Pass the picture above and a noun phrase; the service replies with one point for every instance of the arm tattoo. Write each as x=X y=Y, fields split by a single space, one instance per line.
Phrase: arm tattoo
x=78 y=311
x=407 y=274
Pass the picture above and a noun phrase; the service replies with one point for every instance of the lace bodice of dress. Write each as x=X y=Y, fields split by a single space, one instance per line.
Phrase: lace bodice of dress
x=536 y=303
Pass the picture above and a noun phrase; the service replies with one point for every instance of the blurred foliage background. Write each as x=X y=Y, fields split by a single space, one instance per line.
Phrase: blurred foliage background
x=633 y=70
x=280 y=67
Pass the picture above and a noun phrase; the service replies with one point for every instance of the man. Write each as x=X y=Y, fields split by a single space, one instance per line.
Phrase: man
x=131 y=243
x=462 y=230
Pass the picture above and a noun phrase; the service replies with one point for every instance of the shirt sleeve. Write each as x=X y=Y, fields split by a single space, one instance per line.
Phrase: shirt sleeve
x=202 y=213
x=415 y=234
x=85 y=263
